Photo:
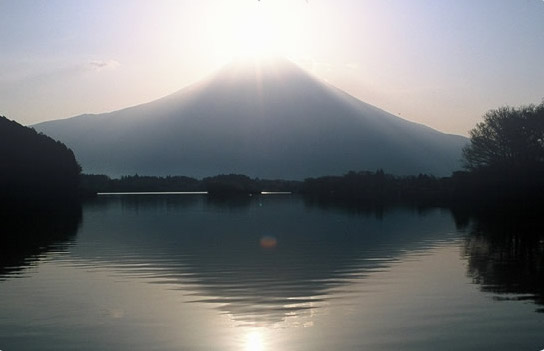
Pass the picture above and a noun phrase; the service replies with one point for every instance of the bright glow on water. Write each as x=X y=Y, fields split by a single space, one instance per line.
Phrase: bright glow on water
x=254 y=341
x=157 y=193
x=275 y=193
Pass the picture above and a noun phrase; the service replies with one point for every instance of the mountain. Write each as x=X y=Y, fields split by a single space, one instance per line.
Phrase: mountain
x=267 y=119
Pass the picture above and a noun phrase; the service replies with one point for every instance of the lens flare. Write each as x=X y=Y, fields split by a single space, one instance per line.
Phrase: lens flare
x=268 y=242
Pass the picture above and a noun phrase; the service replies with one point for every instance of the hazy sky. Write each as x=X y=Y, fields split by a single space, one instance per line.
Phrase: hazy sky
x=441 y=63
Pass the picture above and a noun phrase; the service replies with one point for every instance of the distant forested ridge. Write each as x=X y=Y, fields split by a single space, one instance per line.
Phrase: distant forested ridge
x=362 y=187
x=32 y=165
x=223 y=184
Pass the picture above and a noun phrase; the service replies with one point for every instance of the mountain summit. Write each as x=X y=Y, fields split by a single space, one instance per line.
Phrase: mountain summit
x=267 y=119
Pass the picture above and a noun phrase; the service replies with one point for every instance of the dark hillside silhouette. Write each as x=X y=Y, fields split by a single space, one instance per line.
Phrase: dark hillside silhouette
x=33 y=165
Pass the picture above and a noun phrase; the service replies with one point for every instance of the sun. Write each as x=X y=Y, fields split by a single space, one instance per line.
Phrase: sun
x=257 y=37
x=259 y=28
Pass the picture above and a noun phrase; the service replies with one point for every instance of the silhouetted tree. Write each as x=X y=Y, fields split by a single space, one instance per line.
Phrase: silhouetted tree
x=505 y=157
x=507 y=138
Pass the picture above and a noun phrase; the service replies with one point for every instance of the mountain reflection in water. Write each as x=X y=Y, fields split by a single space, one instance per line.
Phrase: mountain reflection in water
x=261 y=267
x=213 y=248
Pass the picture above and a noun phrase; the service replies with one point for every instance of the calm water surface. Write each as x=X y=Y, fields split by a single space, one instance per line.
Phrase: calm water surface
x=184 y=272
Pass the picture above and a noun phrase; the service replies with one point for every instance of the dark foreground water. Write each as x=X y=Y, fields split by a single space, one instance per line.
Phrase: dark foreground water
x=267 y=273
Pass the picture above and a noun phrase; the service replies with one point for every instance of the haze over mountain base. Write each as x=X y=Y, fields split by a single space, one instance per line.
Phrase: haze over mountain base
x=267 y=119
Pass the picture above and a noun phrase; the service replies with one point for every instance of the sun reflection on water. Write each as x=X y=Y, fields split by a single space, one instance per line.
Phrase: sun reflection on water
x=254 y=341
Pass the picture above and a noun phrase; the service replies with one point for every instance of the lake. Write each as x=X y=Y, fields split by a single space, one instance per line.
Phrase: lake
x=270 y=272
